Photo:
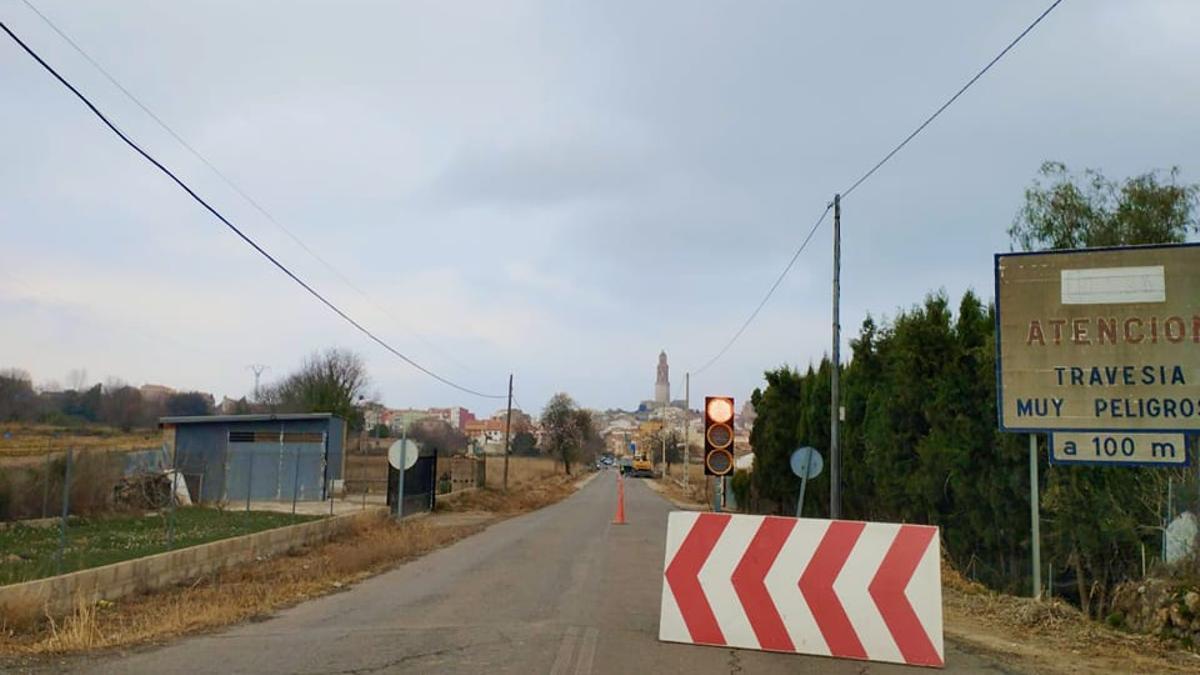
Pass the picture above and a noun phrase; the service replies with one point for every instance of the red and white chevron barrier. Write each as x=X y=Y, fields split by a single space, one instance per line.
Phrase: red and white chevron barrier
x=839 y=588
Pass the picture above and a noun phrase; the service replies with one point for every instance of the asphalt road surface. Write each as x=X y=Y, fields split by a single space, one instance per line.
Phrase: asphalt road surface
x=560 y=591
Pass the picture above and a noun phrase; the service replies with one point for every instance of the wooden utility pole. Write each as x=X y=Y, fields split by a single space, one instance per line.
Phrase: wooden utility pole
x=507 y=427
x=835 y=455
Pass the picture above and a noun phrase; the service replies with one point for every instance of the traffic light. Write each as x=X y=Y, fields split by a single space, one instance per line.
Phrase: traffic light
x=718 y=435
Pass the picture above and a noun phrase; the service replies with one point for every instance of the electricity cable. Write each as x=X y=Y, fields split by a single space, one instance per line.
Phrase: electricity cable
x=878 y=165
x=242 y=235
x=233 y=185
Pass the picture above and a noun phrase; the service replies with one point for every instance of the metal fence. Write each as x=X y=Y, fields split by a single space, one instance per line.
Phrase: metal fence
x=76 y=509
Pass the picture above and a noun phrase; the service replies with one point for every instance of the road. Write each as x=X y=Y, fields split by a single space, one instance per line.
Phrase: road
x=560 y=590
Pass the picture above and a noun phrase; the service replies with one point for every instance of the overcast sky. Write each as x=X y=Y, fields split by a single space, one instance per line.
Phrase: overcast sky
x=557 y=189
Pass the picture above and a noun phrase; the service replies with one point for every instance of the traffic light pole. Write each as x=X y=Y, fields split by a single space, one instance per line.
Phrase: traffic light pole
x=835 y=455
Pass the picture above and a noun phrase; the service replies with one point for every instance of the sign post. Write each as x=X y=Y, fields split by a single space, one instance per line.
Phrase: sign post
x=1100 y=350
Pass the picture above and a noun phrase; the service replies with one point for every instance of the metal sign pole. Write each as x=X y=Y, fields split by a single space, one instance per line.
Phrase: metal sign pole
x=804 y=484
x=1034 y=517
x=400 y=477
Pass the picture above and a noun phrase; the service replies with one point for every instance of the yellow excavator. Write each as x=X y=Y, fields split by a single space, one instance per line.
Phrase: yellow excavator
x=642 y=466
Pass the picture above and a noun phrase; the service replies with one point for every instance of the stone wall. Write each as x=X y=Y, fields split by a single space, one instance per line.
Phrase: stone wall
x=1166 y=608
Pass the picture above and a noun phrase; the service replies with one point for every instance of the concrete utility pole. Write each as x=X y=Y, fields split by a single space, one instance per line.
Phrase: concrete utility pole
x=507 y=427
x=687 y=419
x=835 y=455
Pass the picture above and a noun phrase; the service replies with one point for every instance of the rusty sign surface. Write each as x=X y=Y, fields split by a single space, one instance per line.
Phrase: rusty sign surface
x=1099 y=339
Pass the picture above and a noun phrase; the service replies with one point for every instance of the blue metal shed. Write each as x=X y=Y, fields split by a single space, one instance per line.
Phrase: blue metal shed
x=258 y=457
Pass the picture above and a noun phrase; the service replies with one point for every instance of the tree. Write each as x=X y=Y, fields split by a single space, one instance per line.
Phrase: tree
x=1098 y=518
x=190 y=403
x=122 y=406
x=437 y=435
x=18 y=400
x=524 y=444
x=565 y=429
x=669 y=439
x=84 y=405
x=1068 y=211
x=327 y=382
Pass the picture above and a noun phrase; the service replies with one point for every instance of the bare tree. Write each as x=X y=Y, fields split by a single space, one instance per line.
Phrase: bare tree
x=331 y=382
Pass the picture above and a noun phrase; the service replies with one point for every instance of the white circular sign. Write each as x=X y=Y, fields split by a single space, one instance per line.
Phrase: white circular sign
x=410 y=454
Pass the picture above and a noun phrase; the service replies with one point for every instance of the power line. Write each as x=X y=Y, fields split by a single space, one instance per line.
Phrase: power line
x=952 y=99
x=870 y=173
x=253 y=244
x=771 y=291
x=233 y=185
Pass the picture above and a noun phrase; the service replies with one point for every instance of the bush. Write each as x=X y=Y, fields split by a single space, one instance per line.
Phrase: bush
x=36 y=491
x=741 y=488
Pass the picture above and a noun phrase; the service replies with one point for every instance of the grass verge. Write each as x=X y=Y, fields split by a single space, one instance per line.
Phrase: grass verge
x=232 y=595
x=28 y=552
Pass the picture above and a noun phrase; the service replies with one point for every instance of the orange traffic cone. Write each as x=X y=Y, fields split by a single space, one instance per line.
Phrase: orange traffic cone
x=620 y=517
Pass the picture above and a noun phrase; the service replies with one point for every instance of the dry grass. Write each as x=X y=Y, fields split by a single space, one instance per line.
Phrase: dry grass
x=35 y=490
x=233 y=595
x=1049 y=636
x=35 y=440
x=522 y=470
x=527 y=495
x=698 y=491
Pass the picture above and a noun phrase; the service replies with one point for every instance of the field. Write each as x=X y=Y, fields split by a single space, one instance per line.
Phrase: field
x=29 y=552
x=26 y=442
x=523 y=470
x=370 y=471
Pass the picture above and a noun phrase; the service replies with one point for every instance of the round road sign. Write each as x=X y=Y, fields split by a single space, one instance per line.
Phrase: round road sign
x=801 y=459
x=410 y=455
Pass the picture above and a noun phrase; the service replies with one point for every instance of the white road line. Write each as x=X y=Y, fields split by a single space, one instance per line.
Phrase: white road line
x=565 y=649
x=587 y=652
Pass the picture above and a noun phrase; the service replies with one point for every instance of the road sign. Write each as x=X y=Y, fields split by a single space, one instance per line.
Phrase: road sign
x=1099 y=340
x=807 y=460
x=1118 y=448
x=868 y=591
x=410 y=454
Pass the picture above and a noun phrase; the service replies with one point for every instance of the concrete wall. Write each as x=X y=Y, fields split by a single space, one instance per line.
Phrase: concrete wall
x=60 y=594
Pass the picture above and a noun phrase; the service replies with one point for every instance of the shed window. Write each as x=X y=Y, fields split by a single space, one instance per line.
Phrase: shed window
x=274 y=437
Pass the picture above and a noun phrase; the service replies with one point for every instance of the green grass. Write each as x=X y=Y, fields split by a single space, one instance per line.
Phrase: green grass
x=28 y=553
